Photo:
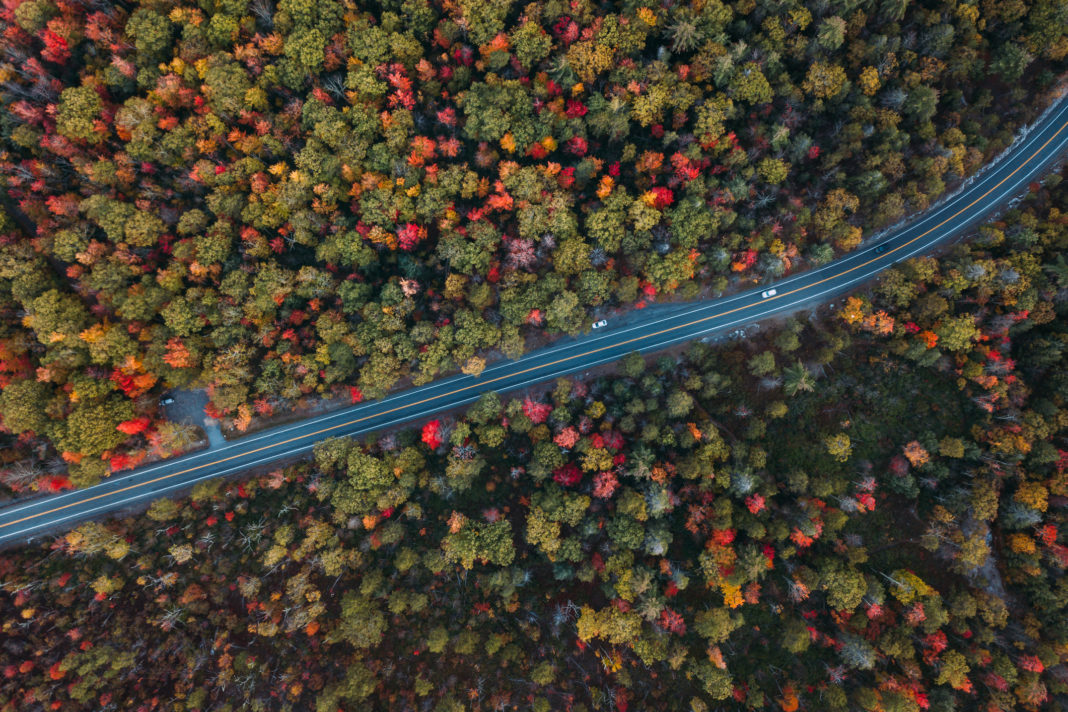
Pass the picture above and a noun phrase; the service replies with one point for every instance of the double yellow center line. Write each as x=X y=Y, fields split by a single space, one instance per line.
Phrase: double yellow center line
x=483 y=384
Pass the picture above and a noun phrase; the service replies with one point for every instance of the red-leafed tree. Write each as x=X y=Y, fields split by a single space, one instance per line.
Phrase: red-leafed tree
x=410 y=235
x=567 y=475
x=134 y=426
x=431 y=434
x=537 y=412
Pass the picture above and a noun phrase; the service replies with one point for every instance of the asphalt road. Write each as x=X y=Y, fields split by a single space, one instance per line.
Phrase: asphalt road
x=1005 y=180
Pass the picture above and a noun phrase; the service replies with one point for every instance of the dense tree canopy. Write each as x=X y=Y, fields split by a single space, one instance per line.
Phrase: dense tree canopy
x=874 y=521
x=284 y=200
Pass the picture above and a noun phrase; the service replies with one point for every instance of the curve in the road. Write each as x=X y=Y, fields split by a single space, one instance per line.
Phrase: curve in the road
x=1018 y=165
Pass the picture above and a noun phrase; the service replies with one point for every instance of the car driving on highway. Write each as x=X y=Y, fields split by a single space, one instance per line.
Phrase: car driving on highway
x=600 y=324
x=768 y=293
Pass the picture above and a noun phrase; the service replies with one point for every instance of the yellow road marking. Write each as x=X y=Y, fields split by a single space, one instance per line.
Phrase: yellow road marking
x=551 y=363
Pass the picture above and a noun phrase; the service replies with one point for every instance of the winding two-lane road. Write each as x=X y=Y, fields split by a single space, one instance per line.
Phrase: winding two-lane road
x=1028 y=158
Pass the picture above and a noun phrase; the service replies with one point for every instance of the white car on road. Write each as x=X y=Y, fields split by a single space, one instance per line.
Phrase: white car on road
x=768 y=293
x=600 y=324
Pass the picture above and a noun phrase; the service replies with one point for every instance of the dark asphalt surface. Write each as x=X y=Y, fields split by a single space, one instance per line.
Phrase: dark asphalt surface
x=1007 y=179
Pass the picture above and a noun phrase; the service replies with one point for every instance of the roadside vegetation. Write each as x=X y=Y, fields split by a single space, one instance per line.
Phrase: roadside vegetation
x=858 y=512
x=285 y=200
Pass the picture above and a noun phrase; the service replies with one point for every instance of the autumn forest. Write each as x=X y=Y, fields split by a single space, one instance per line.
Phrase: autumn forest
x=292 y=203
